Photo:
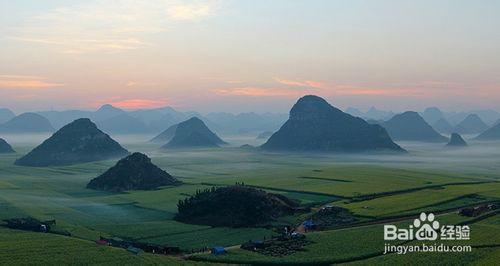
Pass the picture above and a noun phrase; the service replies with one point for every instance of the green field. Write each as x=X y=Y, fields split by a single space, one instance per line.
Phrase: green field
x=371 y=186
x=18 y=248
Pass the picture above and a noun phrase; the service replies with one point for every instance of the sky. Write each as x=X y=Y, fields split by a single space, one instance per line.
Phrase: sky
x=249 y=55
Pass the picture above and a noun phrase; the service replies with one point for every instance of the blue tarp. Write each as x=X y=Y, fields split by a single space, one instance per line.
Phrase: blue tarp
x=218 y=250
x=309 y=224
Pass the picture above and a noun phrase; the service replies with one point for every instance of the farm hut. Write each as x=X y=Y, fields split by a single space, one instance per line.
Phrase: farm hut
x=259 y=243
x=134 y=250
x=173 y=250
x=253 y=245
x=309 y=225
x=29 y=224
x=218 y=250
x=102 y=242
x=477 y=210
x=296 y=235
x=118 y=242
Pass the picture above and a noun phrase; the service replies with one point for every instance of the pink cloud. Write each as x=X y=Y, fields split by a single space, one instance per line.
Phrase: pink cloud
x=305 y=83
x=258 y=92
x=417 y=90
x=234 y=81
x=332 y=91
x=317 y=84
x=290 y=82
x=140 y=84
x=26 y=82
x=375 y=91
x=140 y=103
x=351 y=90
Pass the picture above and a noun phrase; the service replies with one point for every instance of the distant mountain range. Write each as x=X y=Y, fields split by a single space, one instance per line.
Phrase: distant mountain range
x=492 y=133
x=6 y=115
x=114 y=120
x=472 y=124
x=431 y=115
x=247 y=122
x=123 y=124
x=166 y=135
x=410 y=126
x=27 y=123
x=193 y=133
x=372 y=114
x=443 y=126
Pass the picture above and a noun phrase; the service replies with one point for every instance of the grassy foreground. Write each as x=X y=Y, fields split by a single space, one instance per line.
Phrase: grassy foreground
x=26 y=248
x=372 y=187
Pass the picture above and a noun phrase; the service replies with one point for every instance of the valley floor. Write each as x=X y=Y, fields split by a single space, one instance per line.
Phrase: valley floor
x=377 y=189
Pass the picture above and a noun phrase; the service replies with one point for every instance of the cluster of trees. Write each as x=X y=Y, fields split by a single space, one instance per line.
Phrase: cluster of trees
x=186 y=203
x=233 y=206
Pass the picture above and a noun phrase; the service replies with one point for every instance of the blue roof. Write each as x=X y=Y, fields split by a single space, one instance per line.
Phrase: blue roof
x=218 y=249
x=308 y=223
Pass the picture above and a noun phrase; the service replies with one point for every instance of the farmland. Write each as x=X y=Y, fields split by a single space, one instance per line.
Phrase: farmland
x=18 y=247
x=372 y=186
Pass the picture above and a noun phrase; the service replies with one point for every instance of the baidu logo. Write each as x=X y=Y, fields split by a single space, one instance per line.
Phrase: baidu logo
x=427 y=228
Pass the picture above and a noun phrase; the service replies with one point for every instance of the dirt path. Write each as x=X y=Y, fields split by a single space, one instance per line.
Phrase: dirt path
x=301 y=229
x=208 y=251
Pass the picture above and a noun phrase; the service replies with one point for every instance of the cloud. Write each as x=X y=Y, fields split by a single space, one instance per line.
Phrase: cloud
x=80 y=46
x=298 y=88
x=190 y=11
x=140 y=84
x=290 y=82
x=358 y=90
x=234 y=81
x=258 y=92
x=373 y=90
x=35 y=40
x=26 y=82
x=102 y=26
x=305 y=83
x=317 y=84
x=140 y=103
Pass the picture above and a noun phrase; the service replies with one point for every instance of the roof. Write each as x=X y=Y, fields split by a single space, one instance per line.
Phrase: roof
x=218 y=250
x=134 y=249
x=308 y=223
